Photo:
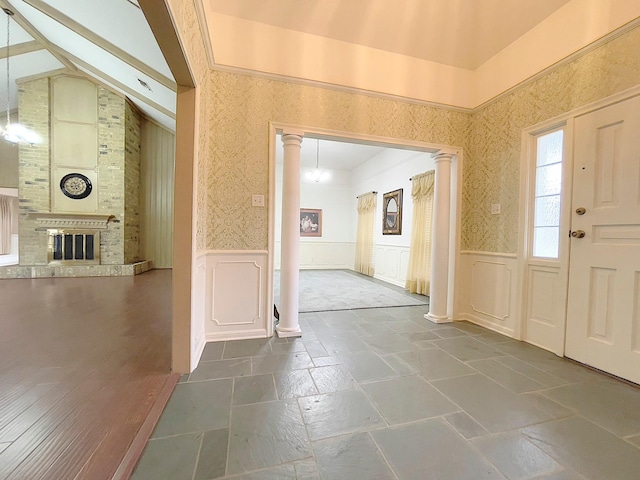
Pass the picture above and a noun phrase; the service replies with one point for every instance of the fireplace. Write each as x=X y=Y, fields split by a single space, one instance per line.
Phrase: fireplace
x=73 y=246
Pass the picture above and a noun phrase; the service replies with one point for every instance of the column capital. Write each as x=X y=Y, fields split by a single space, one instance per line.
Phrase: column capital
x=442 y=156
x=292 y=139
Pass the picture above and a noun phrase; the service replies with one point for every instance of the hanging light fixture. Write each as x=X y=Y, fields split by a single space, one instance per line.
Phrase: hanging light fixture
x=317 y=175
x=14 y=132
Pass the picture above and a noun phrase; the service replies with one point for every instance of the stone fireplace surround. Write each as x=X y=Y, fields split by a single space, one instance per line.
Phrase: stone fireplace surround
x=78 y=222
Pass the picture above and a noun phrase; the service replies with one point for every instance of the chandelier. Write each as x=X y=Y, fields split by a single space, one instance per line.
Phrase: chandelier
x=14 y=132
x=317 y=175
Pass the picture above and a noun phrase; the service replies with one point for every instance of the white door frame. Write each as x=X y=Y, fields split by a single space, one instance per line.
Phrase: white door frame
x=353 y=137
x=527 y=177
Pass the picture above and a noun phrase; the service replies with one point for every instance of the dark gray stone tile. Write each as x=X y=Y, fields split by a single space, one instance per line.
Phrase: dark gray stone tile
x=491 y=405
x=406 y=326
x=281 y=472
x=221 y=369
x=294 y=384
x=281 y=362
x=253 y=389
x=586 y=448
x=614 y=407
x=401 y=367
x=563 y=475
x=342 y=344
x=385 y=344
x=315 y=349
x=367 y=366
x=306 y=470
x=434 y=364
x=266 y=434
x=530 y=371
x=493 y=338
x=184 y=378
x=419 y=337
x=465 y=425
x=351 y=457
x=515 y=456
x=338 y=413
x=172 y=457
x=212 y=351
x=376 y=328
x=407 y=399
x=633 y=440
x=288 y=347
x=212 y=461
x=470 y=328
x=505 y=376
x=418 y=450
x=247 y=348
x=552 y=408
x=196 y=407
x=326 y=361
x=333 y=378
x=467 y=348
x=448 y=332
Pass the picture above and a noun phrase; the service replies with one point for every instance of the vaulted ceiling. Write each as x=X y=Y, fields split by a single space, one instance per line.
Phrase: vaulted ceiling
x=109 y=41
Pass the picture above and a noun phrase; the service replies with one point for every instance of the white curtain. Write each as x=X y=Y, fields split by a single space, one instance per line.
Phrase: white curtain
x=419 y=271
x=364 y=237
x=6 y=224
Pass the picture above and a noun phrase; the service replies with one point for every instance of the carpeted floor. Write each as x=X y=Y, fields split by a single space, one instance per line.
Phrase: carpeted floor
x=324 y=290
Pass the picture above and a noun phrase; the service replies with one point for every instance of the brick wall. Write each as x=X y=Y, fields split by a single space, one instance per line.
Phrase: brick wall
x=133 y=125
x=34 y=180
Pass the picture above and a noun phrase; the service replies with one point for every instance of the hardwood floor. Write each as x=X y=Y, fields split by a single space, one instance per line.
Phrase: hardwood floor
x=82 y=362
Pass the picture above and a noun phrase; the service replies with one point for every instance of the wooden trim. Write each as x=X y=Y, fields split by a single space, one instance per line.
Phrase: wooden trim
x=489 y=254
x=101 y=42
x=21 y=49
x=204 y=31
x=106 y=78
x=159 y=19
x=50 y=74
x=31 y=30
x=134 y=452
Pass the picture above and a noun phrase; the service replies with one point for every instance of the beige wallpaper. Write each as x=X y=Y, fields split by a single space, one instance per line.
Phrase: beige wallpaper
x=494 y=172
x=238 y=155
x=235 y=111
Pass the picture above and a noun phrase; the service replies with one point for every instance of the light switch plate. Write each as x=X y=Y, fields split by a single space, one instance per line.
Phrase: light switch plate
x=495 y=209
x=257 y=200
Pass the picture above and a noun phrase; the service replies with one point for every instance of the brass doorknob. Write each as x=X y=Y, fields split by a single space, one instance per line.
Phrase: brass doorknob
x=578 y=234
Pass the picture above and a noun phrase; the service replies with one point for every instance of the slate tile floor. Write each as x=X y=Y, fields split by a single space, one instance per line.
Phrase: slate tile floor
x=384 y=394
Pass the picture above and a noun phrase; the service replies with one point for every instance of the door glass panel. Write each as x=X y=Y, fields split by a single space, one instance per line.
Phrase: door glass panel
x=545 y=241
x=548 y=189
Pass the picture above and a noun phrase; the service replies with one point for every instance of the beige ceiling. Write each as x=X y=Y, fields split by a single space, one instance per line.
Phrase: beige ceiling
x=460 y=33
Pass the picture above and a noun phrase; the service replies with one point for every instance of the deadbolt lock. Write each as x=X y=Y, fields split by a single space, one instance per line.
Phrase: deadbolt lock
x=581 y=210
x=578 y=234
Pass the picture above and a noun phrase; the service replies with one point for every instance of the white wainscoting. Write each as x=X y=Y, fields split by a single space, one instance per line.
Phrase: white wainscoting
x=198 y=309
x=322 y=255
x=488 y=291
x=390 y=263
x=236 y=300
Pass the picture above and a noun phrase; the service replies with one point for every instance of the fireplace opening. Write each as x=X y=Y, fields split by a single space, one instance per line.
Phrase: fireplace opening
x=74 y=246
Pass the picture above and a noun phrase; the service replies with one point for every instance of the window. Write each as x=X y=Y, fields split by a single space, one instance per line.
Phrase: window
x=548 y=187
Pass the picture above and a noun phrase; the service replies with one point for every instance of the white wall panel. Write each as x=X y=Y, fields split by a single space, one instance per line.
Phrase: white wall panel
x=198 y=309
x=236 y=303
x=487 y=292
x=322 y=255
x=156 y=176
x=390 y=263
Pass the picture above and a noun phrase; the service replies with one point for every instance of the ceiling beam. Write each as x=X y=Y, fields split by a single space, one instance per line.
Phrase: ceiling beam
x=31 y=30
x=102 y=76
x=21 y=49
x=104 y=44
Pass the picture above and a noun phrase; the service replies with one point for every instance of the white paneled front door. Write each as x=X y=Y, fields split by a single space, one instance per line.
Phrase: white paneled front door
x=603 y=309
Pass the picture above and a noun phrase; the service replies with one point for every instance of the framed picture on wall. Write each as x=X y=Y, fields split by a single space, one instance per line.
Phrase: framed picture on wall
x=392 y=213
x=310 y=222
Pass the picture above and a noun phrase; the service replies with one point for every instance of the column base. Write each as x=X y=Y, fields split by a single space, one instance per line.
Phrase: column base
x=437 y=318
x=287 y=332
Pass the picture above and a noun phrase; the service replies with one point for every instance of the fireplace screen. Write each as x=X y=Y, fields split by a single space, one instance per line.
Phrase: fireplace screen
x=74 y=246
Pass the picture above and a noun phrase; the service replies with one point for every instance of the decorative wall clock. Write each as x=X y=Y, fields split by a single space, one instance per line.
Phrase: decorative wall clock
x=76 y=186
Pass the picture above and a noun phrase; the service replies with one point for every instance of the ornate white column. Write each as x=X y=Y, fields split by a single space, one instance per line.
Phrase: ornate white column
x=290 y=251
x=440 y=240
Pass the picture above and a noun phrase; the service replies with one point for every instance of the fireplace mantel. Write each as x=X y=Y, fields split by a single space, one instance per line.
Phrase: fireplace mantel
x=72 y=220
